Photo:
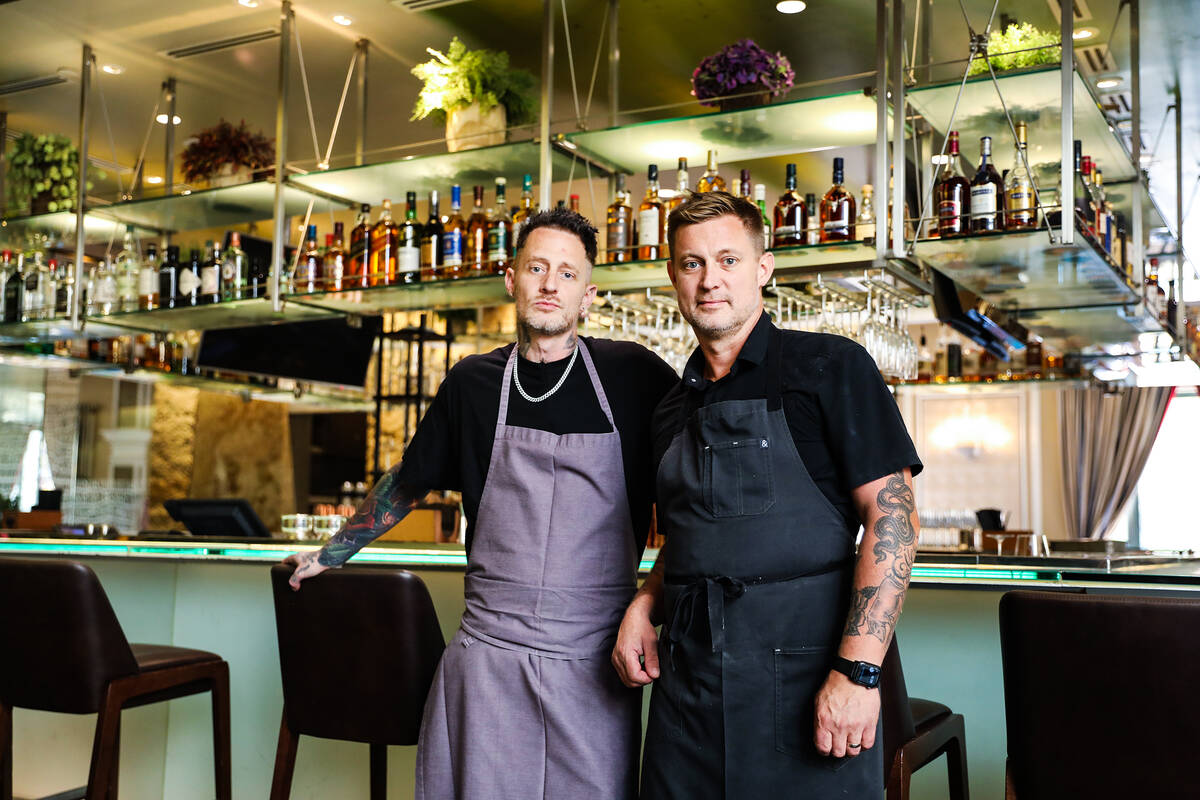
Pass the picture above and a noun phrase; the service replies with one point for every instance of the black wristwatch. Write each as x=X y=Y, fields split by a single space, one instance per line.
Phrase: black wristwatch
x=859 y=672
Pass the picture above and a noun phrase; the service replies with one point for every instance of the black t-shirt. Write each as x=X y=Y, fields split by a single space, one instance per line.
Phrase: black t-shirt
x=452 y=446
x=843 y=419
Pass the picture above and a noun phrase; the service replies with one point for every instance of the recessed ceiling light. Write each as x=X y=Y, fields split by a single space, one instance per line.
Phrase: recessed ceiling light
x=342 y=19
x=1083 y=33
x=1108 y=83
x=161 y=119
x=790 y=6
x=112 y=69
x=248 y=3
x=153 y=179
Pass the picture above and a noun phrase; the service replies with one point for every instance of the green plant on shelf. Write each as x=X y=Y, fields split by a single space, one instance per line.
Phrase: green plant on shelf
x=226 y=147
x=1016 y=47
x=42 y=173
x=460 y=77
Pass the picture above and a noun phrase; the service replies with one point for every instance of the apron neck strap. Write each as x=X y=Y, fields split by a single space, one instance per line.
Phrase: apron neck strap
x=510 y=370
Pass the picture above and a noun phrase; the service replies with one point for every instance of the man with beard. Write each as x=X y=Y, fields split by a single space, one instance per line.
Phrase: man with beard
x=770 y=453
x=549 y=442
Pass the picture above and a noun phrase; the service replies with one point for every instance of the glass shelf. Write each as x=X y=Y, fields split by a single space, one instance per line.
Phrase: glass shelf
x=1023 y=269
x=843 y=120
x=1035 y=97
x=1109 y=330
x=214 y=208
x=232 y=314
x=46 y=330
x=371 y=183
x=60 y=227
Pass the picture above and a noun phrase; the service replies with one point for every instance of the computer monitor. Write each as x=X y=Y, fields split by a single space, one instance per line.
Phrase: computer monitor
x=230 y=517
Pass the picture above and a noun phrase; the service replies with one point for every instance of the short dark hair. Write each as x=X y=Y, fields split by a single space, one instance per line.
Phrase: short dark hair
x=703 y=206
x=564 y=219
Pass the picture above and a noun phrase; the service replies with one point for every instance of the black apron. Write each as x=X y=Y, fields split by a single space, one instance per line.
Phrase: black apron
x=759 y=571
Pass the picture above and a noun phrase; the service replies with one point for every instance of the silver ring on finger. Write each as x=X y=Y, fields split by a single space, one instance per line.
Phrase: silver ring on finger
x=853 y=746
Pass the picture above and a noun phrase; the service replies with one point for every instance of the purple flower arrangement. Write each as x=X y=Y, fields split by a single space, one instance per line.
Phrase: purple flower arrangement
x=741 y=68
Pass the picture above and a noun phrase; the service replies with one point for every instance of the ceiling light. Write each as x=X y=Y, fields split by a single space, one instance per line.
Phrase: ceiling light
x=153 y=179
x=342 y=19
x=248 y=3
x=112 y=69
x=161 y=119
x=1108 y=83
x=790 y=6
x=1083 y=33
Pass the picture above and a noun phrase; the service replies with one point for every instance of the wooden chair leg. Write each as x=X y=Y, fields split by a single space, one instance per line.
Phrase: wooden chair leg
x=222 y=763
x=899 y=778
x=285 y=761
x=1010 y=787
x=6 y=747
x=378 y=772
x=115 y=773
x=105 y=746
x=956 y=764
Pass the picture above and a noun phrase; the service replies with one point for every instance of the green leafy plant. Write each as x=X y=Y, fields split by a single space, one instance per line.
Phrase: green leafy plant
x=1018 y=46
x=459 y=77
x=42 y=171
x=221 y=144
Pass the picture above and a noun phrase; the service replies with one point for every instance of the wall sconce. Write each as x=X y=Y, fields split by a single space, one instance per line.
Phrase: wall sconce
x=970 y=435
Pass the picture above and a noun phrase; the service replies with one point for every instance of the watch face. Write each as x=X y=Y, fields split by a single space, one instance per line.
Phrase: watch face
x=865 y=674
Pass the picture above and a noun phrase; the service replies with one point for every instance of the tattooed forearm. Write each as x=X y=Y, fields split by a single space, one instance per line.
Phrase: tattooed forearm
x=875 y=609
x=387 y=504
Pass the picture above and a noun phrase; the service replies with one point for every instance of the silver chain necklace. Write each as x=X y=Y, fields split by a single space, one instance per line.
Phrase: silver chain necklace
x=555 y=388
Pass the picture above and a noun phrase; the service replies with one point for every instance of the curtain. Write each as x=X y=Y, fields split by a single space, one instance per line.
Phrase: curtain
x=1106 y=438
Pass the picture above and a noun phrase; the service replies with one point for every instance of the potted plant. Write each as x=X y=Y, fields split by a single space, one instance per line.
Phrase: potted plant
x=42 y=173
x=224 y=155
x=475 y=92
x=743 y=69
x=1016 y=47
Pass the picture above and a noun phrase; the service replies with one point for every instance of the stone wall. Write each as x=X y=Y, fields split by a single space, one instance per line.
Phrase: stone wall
x=172 y=437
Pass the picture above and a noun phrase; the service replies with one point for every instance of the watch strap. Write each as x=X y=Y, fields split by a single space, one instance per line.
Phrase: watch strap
x=854 y=670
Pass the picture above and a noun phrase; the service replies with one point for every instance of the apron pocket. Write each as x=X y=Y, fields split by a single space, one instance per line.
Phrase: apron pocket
x=799 y=674
x=738 y=478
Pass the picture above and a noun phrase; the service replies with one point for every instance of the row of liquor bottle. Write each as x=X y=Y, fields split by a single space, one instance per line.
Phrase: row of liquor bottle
x=953 y=360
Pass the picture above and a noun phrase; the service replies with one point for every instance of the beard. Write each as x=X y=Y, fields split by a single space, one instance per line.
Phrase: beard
x=549 y=324
x=718 y=329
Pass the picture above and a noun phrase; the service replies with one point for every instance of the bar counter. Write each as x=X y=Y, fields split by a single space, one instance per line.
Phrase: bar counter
x=216 y=595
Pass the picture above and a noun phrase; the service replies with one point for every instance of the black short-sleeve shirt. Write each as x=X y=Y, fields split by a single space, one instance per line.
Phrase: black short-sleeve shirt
x=452 y=446
x=844 y=421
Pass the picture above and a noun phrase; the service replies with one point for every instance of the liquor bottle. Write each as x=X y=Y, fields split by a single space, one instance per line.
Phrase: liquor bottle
x=12 y=289
x=104 y=293
x=189 y=280
x=454 y=236
x=681 y=187
x=408 y=250
x=235 y=276
x=791 y=215
x=1020 y=212
x=1150 y=288
x=358 y=257
x=148 y=280
x=1100 y=208
x=760 y=200
x=128 y=273
x=864 y=228
x=333 y=260
x=812 y=220
x=210 y=274
x=168 y=279
x=477 y=224
x=499 y=232
x=1172 y=311
x=987 y=192
x=431 y=241
x=524 y=210
x=744 y=184
x=710 y=181
x=619 y=225
x=1085 y=208
x=925 y=363
x=652 y=219
x=47 y=286
x=573 y=203
x=837 y=209
x=952 y=196
x=88 y=292
x=66 y=288
x=381 y=250
x=308 y=269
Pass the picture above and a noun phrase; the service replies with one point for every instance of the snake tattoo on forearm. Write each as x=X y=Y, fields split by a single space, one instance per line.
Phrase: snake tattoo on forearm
x=875 y=609
x=387 y=503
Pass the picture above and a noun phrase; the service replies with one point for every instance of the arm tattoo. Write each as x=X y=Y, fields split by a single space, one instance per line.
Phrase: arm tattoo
x=875 y=609
x=387 y=504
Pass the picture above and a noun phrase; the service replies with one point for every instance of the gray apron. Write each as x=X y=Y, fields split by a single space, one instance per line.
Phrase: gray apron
x=525 y=703
x=759 y=569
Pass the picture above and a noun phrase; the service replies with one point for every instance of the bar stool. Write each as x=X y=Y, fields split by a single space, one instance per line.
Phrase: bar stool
x=358 y=648
x=916 y=732
x=1100 y=695
x=65 y=652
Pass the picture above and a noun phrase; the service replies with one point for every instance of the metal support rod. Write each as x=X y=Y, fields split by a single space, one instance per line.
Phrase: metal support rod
x=898 y=115
x=1136 y=257
x=614 y=61
x=1178 y=196
x=1067 y=200
x=169 y=140
x=545 y=174
x=375 y=468
x=360 y=141
x=279 y=238
x=881 y=106
x=85 y=88
x=3 y=161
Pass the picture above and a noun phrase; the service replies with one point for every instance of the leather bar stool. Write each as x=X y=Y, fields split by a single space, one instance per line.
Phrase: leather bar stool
x=916 y=732
x=1100 y=695
x=65 y=652
x=358 y=648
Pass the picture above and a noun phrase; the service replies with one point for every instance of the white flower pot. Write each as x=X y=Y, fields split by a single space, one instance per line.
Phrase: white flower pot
x=228 y=176
x=469 y=128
